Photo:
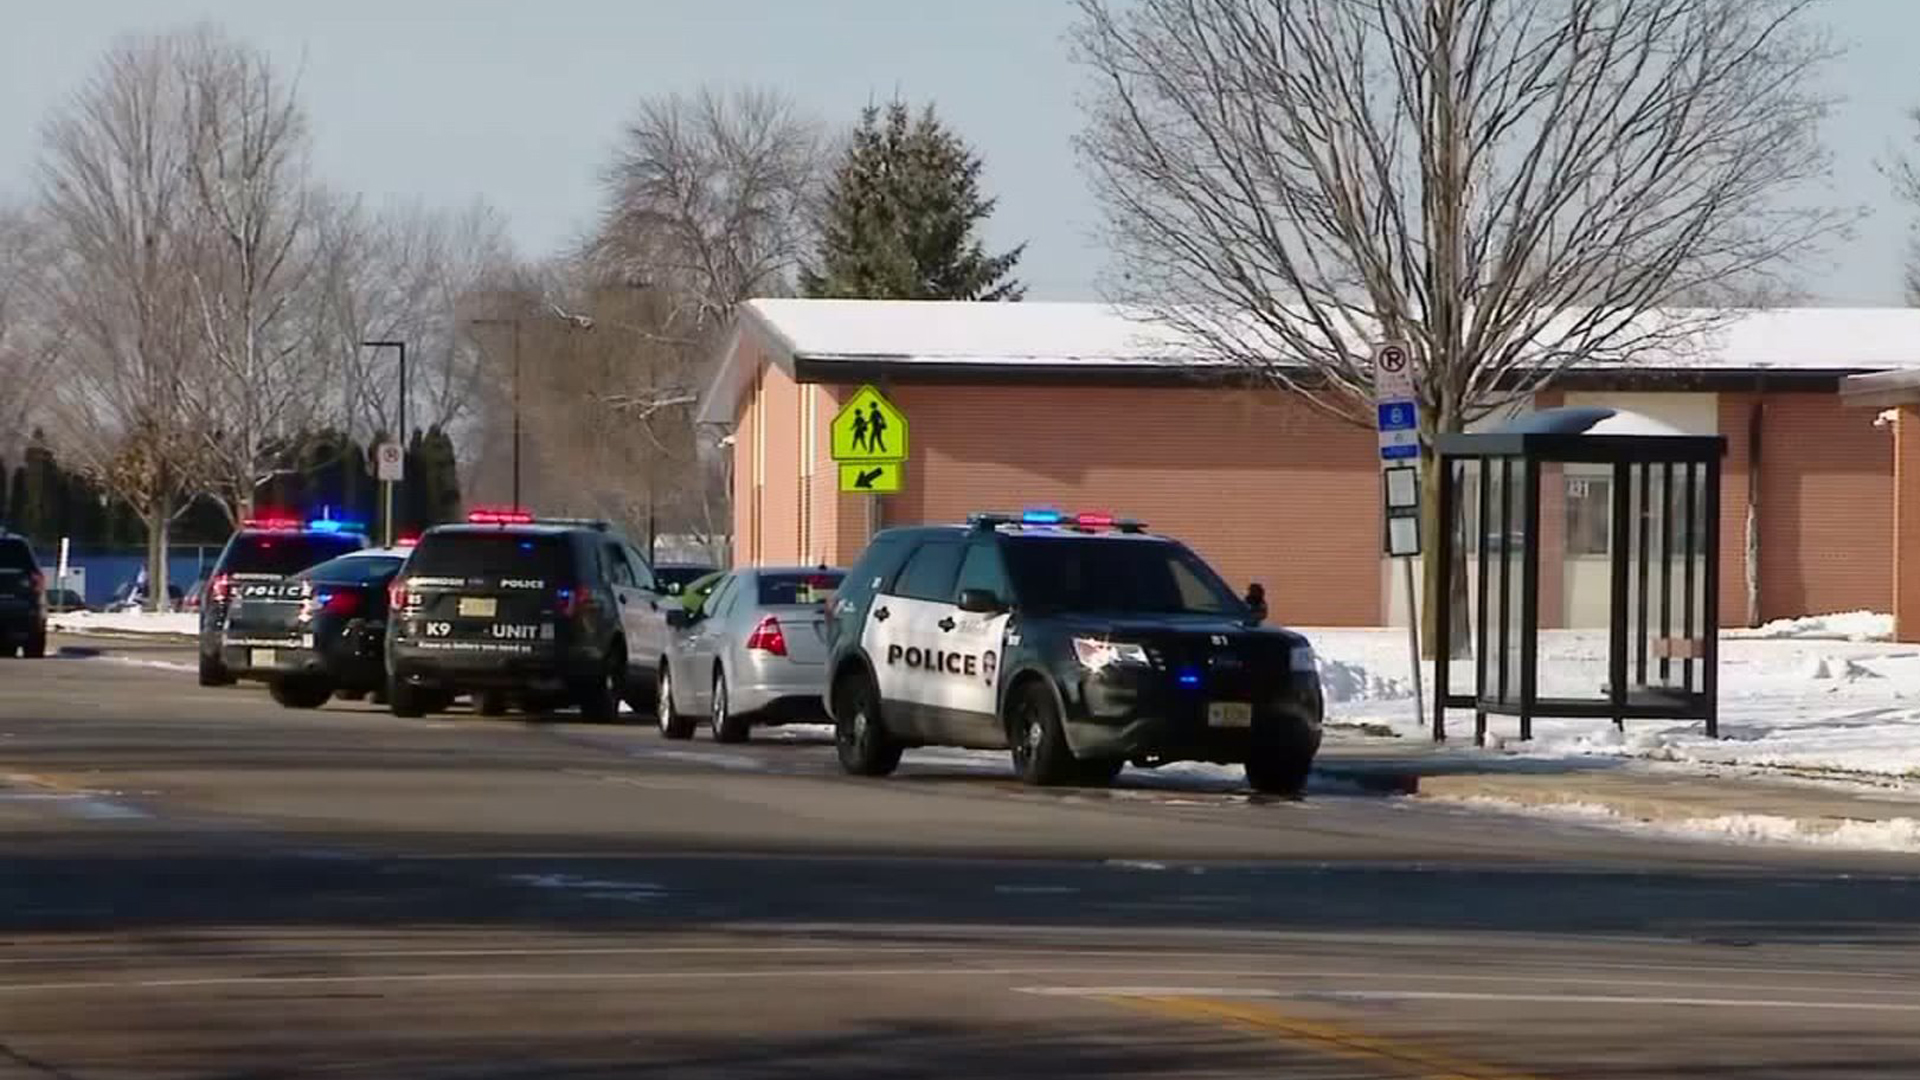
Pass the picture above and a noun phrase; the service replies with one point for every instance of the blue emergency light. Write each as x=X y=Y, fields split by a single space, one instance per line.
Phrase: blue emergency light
x=329 y=525
x=1042 y=517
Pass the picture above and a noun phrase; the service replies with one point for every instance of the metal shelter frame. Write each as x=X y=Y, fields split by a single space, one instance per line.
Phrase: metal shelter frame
x=1663 y=650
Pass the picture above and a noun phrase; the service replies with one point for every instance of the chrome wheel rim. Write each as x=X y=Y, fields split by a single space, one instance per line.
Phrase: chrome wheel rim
x=663 y=709
x=719 y=705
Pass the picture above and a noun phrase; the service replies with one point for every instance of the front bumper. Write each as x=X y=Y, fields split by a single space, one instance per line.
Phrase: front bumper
x=1147 y=715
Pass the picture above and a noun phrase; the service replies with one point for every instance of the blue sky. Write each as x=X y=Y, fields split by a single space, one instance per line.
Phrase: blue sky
x=518 y=102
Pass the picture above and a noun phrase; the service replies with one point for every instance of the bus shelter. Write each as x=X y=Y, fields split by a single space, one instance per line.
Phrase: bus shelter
x=1662 y=568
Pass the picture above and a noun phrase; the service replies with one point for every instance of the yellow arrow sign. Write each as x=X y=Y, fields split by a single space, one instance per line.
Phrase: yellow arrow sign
x=877 y=478
x=869 y=428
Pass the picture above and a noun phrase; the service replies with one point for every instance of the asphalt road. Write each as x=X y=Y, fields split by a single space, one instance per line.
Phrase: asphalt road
x=197 y=883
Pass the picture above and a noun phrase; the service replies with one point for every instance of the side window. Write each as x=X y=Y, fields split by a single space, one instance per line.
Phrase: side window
x=720 y=597
x=619 y=571
x=983 y=568
x=930 y=571
x=642 y=571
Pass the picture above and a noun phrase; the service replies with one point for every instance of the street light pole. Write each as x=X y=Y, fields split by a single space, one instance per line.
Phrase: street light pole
x=513 y=321
x=389 y=485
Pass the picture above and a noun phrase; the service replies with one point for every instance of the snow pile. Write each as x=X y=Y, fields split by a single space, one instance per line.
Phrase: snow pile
x=1891 y=834
x=1805 y=698
x=175 y=623
x=1845 y=626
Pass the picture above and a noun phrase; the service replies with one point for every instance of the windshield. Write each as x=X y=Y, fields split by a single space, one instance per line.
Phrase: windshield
x=285 y=553
x=492 y=554
x=15 y=555
x=1146 y=577
x=354 y=569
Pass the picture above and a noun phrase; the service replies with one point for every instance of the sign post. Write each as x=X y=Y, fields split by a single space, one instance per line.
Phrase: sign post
x=1397 y=415
x=869 y=441
x=390 y=465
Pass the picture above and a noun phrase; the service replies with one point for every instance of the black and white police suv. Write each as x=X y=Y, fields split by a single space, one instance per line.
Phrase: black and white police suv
x=321 y=632
x=251 y=597
x=509 y=607
x=23 y=599
x=1080 y=642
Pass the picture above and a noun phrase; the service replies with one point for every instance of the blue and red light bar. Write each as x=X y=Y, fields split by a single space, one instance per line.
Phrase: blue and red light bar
x=1046 y=517
x=272 y=524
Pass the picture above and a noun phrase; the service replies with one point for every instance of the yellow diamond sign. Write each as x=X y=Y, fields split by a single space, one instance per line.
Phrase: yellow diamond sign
x=869 y=428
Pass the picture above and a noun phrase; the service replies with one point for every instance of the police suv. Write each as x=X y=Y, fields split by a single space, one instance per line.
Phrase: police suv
x=247 y=614
x=23 y=599
x=542 y=611
x=1080 y=642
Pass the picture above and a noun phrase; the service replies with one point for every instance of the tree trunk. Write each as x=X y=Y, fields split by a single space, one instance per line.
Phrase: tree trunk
x=159 y=516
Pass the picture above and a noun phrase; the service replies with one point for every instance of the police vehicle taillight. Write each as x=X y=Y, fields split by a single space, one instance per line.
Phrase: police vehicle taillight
x=219 y=587
x=397 y=595
x=768 y=638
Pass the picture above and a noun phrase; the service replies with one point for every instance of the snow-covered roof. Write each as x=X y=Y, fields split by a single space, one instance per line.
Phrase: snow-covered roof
x=1039 y=335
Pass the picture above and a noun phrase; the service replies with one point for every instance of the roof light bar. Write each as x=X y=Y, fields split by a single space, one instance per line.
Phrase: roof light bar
x=500 y=517
x=329 y=525
x=276 y=524
x=1041 y=517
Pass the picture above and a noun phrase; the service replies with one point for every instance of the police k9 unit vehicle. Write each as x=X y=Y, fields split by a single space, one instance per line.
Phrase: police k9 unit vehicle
x=544 y=612
x=248 y=617
x=1080 y=642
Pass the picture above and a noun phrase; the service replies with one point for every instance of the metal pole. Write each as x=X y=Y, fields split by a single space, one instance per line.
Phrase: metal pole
x=516 y=413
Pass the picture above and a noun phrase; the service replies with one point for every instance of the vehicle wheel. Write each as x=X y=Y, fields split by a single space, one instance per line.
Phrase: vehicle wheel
x=1280 y=766
x=1040 y=753
x=405 y=701
x=674 y=724
x=300 y=693
x=490 y=703
x=1098 y=772
x=599 y=702
x=213 y=672
x=859 y=736
x=726 y=725
x=36 y=647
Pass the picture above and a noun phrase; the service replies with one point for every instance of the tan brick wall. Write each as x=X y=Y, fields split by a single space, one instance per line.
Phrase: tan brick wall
x=780 y=490
x=745 y=481
x=1266 y=490
x=1906 y=537
x=1825 y=508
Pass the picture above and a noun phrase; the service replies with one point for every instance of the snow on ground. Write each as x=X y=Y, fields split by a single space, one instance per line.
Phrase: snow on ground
x=183 y=623
x=1892 y=834
x=1807 y=695
x=1846 y=626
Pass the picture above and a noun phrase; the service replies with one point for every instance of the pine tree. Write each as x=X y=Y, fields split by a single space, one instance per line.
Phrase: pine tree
x=901 y=216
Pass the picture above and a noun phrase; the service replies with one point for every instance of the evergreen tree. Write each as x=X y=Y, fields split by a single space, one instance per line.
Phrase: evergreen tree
x=17 y=501
x=433 y=481
x=39 y=509
x=6 y=496
x=901 y=216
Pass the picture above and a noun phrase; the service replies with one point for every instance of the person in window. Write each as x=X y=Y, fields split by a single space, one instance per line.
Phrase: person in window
x=1257 y=601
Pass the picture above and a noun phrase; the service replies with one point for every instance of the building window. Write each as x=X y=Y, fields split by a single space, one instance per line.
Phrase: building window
x=1589 y=515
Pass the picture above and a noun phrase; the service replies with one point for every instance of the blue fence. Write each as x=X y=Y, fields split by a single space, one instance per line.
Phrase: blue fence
x=109 y=573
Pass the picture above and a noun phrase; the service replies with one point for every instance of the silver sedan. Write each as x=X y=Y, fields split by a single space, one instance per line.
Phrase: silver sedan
x=753 y=653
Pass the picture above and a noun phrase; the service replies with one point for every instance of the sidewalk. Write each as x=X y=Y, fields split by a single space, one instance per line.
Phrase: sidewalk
x=1727 y=804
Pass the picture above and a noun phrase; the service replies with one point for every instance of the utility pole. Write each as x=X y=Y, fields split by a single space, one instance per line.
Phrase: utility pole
x=388 y=485
x=514 y=322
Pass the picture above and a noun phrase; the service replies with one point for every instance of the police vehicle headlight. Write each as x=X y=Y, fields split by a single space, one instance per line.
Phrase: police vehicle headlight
x=1302 y=661
x=1097 y=653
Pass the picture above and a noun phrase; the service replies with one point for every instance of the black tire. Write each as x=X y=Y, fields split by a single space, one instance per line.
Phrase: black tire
x=213 y=672
x=1280 y=765
x=1097 y=772
x=643 y=694
x=299 y=693
x=36 y=647
x=405 y=702
x=726 y=725
x=1040 y=752
x=673 y=723
x=859 y=733
x=599 y=701
x=490 y=703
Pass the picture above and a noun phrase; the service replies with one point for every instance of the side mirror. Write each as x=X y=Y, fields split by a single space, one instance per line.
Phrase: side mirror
x=980 y=602
x=680 y=618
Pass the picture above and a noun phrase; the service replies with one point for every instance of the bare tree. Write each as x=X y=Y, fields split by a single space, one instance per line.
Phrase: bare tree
x=1510 y=186
x=709 y=202
x=1905 y=175
x=115 y=195
x=253 y=253
x=29 y=342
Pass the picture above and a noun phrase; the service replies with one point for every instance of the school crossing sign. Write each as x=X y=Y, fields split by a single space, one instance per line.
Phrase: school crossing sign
x=868 y=438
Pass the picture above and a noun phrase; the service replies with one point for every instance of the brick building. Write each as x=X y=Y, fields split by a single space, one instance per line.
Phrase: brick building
x=1080 y=407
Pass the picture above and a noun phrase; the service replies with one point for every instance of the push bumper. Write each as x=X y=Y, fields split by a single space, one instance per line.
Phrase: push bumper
x=1145 y=716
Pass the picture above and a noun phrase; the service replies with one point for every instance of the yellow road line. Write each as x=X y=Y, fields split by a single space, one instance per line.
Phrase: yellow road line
x=1320 y=1036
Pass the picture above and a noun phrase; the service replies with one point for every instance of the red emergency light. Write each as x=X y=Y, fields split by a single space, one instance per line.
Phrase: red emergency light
x=272 y=524
x=499 y=517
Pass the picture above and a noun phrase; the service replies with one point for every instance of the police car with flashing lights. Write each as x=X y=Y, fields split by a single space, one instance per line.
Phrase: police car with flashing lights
x=254 y=589
x=514 y=609
x=327 y=628
x=1080 y=642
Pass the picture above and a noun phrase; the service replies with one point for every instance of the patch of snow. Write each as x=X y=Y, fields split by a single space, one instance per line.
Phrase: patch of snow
x=1342 y=681
x=172 y=623
x=1842 y=626
x=1892 y=834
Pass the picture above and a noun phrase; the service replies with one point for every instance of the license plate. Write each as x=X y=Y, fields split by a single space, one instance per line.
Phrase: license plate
x=478 y=607
x=266 y=658
x=1230 y=714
